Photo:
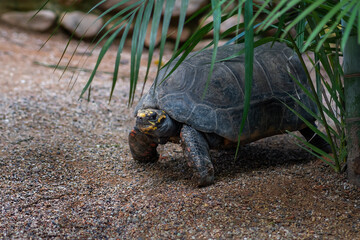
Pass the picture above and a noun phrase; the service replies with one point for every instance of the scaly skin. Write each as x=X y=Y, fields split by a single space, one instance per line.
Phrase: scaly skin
x=142 y=147
x=196 y=151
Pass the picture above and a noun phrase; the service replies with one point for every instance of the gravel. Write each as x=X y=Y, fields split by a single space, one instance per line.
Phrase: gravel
x=66 y=170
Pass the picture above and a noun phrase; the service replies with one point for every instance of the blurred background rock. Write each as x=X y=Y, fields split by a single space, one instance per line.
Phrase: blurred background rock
x=71 y=14
x=21 y=13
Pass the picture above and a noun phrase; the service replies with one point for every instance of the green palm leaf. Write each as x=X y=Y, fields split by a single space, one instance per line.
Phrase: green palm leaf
x=249 y=59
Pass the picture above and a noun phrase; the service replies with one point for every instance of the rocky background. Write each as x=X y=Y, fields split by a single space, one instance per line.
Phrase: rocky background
x=70 y=14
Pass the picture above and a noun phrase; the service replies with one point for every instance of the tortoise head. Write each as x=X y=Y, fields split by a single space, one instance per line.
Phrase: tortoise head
x=155 y=122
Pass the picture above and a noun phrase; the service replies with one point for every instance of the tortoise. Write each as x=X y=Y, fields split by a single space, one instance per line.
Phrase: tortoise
x=176 y=109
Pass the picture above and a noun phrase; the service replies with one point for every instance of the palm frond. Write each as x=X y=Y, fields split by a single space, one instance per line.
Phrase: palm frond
x=249 y=59
x=216 y=8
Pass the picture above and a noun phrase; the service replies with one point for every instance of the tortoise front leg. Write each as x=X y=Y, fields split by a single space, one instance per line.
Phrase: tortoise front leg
x=196 y=151
x=143 y=147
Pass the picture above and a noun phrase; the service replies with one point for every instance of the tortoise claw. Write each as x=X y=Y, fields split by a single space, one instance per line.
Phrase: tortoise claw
x=205 y=181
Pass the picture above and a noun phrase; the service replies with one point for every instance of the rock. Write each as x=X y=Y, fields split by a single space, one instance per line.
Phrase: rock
x=148 y=33
x=228 y=23
x=82 y=24
x=193 y=6
x=41 y=22
x=110 y=27
x=172 y=34
x=173 y=31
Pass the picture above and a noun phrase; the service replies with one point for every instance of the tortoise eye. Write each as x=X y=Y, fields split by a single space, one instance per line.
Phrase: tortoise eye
x=152 y=116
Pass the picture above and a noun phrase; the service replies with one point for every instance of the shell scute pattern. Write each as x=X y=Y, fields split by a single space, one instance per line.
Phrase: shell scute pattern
x=222 y=91
x=202 y=117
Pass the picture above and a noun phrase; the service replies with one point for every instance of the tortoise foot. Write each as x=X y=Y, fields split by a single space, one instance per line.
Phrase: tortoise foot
x=204 y=181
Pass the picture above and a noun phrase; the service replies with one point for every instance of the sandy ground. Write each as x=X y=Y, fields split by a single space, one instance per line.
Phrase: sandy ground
x=66 y=171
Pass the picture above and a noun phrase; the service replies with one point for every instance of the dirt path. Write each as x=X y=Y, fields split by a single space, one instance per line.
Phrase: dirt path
x=66 y=172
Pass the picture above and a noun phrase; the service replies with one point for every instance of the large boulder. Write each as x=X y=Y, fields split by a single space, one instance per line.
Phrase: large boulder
x=82 y=24
x=41 y=22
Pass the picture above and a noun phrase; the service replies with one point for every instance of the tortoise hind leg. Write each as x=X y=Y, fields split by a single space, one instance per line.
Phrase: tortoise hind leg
x=315 y=139
x=142 y=147
x=196 y=151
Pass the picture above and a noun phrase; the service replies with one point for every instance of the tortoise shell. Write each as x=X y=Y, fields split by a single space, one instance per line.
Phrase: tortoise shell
x=219 y=110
